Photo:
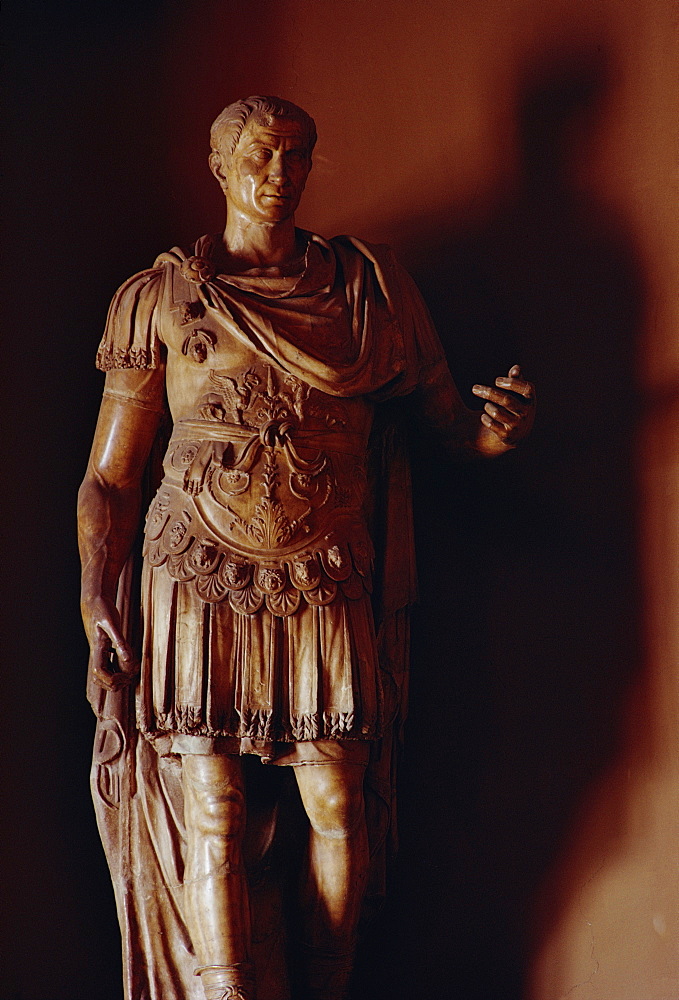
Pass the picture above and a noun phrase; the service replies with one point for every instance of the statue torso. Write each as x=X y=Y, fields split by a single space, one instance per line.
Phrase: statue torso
x=264 y=494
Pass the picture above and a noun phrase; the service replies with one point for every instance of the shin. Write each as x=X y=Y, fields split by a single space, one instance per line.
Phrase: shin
x=215 y=887
x=335 y=877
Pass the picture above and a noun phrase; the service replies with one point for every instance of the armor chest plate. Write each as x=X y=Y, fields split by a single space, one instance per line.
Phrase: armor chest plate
x=264 y=492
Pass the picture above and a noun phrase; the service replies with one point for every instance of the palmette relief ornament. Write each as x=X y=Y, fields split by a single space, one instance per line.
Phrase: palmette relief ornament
x=209 y=588
x=178 y=566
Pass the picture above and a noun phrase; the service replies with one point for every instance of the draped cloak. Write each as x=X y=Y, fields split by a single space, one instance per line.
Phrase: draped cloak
x=349 y=324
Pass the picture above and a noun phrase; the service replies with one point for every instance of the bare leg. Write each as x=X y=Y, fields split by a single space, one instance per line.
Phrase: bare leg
x=337 y=867
x=216 y=895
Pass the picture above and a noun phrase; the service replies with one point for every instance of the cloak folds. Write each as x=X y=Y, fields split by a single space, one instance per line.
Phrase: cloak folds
x=350 y=324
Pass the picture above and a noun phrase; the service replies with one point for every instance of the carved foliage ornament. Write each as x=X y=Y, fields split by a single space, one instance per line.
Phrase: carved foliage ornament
x=248 y=471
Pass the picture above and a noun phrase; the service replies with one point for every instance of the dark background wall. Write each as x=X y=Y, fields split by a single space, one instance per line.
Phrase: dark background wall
x=518 y=155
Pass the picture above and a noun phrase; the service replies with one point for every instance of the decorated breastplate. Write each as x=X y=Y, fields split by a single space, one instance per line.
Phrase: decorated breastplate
x=263 y=496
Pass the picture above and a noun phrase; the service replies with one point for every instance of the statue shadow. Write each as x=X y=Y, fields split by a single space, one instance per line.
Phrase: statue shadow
x=526 y=637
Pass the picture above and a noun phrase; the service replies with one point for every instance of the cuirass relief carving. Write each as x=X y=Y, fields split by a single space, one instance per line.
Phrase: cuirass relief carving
x=262 y=492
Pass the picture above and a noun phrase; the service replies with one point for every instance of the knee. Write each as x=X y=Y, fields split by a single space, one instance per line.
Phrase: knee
x=215 y=803
x=335 y=810
x=221 y=813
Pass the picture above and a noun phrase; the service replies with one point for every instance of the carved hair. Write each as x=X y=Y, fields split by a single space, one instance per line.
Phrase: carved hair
x=227 y=127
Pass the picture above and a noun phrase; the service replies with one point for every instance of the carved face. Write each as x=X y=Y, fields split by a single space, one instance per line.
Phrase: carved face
x=266 y=174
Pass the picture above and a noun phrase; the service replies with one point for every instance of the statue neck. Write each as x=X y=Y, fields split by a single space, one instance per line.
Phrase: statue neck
x=249 y=244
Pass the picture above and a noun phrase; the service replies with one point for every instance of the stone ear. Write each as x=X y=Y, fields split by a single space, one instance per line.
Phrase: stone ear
x=216 y=164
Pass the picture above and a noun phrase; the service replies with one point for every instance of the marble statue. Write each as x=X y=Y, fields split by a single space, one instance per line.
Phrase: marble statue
x=250 y=410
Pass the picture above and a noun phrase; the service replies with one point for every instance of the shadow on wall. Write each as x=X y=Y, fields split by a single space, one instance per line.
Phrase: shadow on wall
x=526 y=638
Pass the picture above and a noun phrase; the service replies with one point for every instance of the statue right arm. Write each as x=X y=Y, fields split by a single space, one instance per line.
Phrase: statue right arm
x=109 y=511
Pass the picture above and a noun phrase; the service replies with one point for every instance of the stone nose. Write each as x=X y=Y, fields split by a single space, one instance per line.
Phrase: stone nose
x=278 y=168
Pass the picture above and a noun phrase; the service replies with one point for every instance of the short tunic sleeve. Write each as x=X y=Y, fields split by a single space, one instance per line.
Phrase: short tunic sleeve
x=131 y=336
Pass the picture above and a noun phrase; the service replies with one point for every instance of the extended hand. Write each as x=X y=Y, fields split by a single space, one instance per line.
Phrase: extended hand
x=509 y=414
x=104 y=631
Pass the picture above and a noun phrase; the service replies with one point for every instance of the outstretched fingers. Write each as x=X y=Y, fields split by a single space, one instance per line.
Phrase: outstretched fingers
x=509 y=405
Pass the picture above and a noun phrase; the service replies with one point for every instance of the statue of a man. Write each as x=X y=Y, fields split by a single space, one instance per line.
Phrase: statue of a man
x=272 y=351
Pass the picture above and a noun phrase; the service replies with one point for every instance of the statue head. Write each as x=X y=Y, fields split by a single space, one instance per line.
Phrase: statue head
x=261 y=156
x=227 y=127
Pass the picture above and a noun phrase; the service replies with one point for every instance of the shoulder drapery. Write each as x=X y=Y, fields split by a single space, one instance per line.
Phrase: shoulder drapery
x=131 y=335
x=352 y=323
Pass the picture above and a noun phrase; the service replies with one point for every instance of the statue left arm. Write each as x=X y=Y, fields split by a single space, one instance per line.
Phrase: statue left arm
x=506 y=418
x=509 y=409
